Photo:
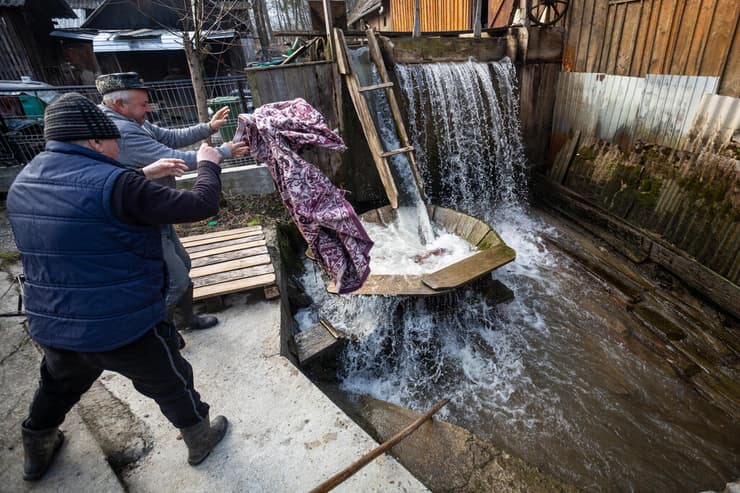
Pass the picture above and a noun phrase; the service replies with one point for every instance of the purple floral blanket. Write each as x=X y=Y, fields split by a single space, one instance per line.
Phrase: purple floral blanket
x=276 y=133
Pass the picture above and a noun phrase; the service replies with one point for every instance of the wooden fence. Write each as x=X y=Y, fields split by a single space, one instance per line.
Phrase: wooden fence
x=640 y=37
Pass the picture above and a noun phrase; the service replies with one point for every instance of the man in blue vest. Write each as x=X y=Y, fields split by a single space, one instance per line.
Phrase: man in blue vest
x=88 y=230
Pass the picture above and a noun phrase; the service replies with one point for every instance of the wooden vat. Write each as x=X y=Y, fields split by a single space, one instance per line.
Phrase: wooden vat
x=492 y=253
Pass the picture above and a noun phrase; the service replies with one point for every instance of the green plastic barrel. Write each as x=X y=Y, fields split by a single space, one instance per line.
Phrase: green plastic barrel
x=33 y=107
x=229 y=128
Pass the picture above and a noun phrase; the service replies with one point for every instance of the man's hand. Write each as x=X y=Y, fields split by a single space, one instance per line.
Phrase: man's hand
x=208 y=153
x=238 y=149
x=219 y=118
x=165 y=167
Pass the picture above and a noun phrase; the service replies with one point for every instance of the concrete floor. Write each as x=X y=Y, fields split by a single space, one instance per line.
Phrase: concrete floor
x=285 y=435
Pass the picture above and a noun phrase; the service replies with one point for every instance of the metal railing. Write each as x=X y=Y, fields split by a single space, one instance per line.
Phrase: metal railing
x=173 y=106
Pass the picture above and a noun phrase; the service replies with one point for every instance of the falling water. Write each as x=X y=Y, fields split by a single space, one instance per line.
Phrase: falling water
x=412 y=213
x=543 y=376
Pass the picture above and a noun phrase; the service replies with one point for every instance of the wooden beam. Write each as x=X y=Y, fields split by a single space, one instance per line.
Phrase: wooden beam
x=236 y=236
x=313 y=342
x=398 y=151
x=230 y=248
x=376 y=87
x=233 y=275
x=230 y=265
x=233 y=286
x=224 y=257
x=216 y=234
x=223 y=243
x=470 y=268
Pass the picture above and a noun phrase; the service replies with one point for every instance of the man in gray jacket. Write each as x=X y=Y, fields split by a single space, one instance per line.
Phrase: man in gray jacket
x=126 y=102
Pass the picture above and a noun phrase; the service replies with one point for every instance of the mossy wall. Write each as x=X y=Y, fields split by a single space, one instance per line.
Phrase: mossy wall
x=690 y=200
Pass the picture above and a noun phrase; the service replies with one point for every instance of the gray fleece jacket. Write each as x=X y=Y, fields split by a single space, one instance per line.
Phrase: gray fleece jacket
x=141 y=145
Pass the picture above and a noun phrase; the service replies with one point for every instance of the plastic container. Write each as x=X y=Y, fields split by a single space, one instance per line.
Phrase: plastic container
x=229 y=129
x=33 y=107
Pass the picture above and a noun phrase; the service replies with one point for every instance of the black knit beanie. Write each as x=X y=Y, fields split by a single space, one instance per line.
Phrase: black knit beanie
x=74 y=117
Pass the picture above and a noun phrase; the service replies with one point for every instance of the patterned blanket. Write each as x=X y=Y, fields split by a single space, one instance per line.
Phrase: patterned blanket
x=276 y=133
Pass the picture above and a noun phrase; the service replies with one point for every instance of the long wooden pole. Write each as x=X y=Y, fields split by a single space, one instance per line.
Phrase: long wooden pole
x=342 y=476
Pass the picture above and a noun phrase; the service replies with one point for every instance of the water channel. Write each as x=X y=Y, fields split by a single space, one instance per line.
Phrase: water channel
x=545 y=376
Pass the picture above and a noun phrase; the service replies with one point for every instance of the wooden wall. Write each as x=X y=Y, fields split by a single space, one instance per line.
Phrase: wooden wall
x=436 y=15
x=639 y=37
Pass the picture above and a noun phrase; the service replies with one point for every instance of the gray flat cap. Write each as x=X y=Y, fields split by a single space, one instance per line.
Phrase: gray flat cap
x=119 y=82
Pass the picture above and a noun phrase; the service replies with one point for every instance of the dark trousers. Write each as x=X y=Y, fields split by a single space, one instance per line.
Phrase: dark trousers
x=153 y=363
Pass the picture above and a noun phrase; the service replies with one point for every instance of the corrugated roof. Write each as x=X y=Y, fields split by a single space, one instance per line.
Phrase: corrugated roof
x=144 y=40
x=363 y=8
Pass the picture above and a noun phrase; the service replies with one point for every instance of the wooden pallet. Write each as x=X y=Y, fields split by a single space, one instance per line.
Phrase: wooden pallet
x=230 y=261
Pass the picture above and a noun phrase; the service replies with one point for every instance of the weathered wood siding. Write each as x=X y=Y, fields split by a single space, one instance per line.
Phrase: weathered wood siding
x=436 y=15
x=640 y=37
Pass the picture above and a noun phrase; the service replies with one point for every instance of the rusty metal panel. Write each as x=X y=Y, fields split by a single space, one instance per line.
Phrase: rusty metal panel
x=660 y=109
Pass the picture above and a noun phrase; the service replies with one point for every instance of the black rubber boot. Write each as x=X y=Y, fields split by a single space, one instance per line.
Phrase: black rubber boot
x=203 y=437
x=171 y=319
x=39 y=449
x=191 y=321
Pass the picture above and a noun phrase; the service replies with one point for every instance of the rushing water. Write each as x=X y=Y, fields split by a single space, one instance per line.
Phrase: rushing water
x=543 y=376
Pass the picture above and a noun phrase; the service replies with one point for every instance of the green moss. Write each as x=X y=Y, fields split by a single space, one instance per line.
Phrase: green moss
x=9 y=258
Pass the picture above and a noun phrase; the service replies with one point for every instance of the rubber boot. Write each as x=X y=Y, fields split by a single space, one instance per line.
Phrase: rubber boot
x=39 y=449
x=191 y=321
x=171 y=319
x=201 y=438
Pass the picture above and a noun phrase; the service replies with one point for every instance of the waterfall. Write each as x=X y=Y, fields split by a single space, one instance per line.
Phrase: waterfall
x=464 y=119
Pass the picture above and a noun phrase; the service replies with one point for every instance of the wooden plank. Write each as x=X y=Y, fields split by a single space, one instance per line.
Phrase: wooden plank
x=398 y=151
x=216 y=234
x=686 y=33
x=233 y=286
x=230 y=265
x=651 y=33
x=313 y=342
x=564 y=158
x=596 y=36
x=230 y=248
x=341 y=46
x=447 y=218
x=224 y=243
x=479 y=232
x=584 y=36
x=224 y=257
x=626 y=50
x=676 y=34
x=701 y=34
x=232 y=275
x=208 y=241
x=662 y=35
x=391 y=285
x=489 y=241
x=375 y=87
x=470 y=268
x=721 y=35
x=298 y=52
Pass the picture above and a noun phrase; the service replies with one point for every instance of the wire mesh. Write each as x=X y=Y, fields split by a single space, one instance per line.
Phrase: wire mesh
x=173 y=106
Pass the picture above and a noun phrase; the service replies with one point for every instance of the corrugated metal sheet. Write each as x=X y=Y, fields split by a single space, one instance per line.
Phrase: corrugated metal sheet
x=71 y=23
x=144 y=40
x=716 y=122
x=658 y=109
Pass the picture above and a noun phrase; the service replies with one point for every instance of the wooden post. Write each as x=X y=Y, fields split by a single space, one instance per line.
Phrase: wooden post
x=328 y=25
x=476 y=21
x=342 y=476
x=417 y=20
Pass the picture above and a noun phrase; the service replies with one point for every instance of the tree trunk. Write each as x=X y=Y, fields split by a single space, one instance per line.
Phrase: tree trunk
x=195 y=65
x=260 y=20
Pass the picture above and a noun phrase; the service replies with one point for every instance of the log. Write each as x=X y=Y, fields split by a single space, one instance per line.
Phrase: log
x=342 y=476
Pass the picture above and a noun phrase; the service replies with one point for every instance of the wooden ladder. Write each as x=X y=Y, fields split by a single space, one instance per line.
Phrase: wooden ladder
x=357 y=92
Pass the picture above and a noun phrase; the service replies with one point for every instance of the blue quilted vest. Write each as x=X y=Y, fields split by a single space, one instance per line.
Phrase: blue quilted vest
x=93 y=283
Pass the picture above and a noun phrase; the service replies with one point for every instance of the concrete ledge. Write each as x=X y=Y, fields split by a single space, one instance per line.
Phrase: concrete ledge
x=247 y=180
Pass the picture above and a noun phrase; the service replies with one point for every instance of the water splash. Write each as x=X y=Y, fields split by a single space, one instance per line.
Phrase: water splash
x=542 y=376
